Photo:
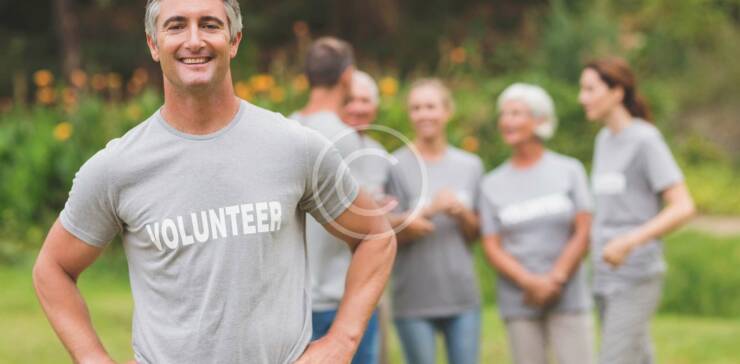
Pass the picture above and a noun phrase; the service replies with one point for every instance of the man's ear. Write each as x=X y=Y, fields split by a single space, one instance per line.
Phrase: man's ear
x=346 y=78
x=235 y=44
x=152 y=48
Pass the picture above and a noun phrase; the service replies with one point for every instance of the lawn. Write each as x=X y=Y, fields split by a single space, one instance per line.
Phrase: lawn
x=26 y=336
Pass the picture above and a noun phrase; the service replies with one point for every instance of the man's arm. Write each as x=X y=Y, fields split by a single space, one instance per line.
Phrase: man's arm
x=414 y=229
x=61 y=260
x=369 y=270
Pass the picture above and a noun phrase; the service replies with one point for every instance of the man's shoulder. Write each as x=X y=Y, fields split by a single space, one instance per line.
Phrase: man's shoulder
x=275 y=125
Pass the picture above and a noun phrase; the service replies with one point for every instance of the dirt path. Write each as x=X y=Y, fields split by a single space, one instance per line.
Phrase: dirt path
x=717 y=225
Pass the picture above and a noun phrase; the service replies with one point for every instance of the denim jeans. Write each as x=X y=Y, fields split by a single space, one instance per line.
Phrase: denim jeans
x=461 y=333
x=368 y=351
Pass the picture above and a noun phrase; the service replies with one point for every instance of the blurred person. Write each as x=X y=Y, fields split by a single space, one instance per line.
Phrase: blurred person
x=330 y=72
x=640 y=195
x=209 y=195
x=371 y=168
x=535 y=221
x=434 y=287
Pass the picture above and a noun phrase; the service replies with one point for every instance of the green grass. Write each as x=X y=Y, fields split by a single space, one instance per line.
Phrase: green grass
x=680 y=336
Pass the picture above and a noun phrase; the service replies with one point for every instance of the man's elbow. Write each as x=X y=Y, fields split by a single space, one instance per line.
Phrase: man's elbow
x=40 y=274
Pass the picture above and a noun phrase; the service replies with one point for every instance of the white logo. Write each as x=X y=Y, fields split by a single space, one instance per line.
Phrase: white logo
x=611 y=183
x=535 y=208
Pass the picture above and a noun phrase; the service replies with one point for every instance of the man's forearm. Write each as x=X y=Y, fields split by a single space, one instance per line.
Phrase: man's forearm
x=367 y=276
x=66 y=310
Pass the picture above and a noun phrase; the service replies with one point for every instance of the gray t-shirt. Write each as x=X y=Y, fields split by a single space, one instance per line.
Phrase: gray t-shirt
x=532 y=210
x=434 y=276
x=213 y=229
x=329 y=257
x=630 y=171
x=371 y=167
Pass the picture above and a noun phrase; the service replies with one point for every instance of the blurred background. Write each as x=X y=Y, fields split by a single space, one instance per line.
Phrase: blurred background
x=77 y=73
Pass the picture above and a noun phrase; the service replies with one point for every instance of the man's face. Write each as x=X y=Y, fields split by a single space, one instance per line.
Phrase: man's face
x=360 y=111
x=192 y=44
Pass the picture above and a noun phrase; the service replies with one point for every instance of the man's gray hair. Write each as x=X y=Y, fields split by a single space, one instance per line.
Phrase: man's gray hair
x=365 y=80
x=538 y=102
x=233 y=13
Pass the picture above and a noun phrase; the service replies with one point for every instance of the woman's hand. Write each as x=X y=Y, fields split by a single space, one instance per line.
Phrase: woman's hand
x=618 y=249
x=541 y=290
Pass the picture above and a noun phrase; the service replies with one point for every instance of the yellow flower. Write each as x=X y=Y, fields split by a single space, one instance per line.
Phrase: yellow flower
x=300 y=83
x=242 y=90
x=114 y=80
x=277 y=94
x=99 y=82
x=261 y=82
x=63 y=131
x=471 y=144
x=458 y=55
x=133 y=111
x=78 y=78
x=46 y=95
x=388 y=86
x=43 y=78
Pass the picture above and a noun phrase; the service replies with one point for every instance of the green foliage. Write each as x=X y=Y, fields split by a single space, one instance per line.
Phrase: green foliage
x=702 y=278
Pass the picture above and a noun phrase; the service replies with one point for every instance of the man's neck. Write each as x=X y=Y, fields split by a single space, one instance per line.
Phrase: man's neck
x=324 y=99
x=202 y=112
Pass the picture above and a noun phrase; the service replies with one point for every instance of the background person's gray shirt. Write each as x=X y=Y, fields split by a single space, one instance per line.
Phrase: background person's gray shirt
x=434 y=276
x=213 y=229
x=329 y=257
x=532 y=210
x=372 y=167
x=630 y=171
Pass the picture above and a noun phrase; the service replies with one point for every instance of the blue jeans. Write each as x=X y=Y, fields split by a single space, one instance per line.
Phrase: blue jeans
x=461 y=333
x=369 y=350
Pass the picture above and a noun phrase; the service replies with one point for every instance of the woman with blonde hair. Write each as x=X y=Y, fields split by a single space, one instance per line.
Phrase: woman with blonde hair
x=434 y=284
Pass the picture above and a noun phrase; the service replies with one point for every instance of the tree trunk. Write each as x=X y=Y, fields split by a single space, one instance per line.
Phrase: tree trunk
x=67 y=25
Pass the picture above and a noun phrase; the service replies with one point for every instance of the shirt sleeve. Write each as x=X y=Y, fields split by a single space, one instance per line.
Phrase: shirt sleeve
x=330 y=188
x=661 y=168
x=581 y=194
x=490 y=224
x=90 y=211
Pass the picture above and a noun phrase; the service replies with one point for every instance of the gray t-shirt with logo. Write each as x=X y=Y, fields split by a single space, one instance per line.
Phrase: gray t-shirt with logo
x=434 y=276
x=213 y=228
x=630 y=171
x=532 y=210
x=329 y=257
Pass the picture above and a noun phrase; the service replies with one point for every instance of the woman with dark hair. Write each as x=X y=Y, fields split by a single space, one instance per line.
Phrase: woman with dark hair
x=640 y=195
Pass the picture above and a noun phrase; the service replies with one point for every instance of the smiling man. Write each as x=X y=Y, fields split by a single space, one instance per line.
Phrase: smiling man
x=210 y=196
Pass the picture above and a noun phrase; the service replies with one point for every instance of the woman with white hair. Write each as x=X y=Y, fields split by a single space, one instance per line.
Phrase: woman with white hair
x=535 y=219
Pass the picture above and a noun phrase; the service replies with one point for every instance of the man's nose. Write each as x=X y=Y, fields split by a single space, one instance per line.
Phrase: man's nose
x=195 y=40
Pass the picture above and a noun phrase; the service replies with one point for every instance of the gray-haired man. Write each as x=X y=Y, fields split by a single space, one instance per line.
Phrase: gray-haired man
x=210 y=195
